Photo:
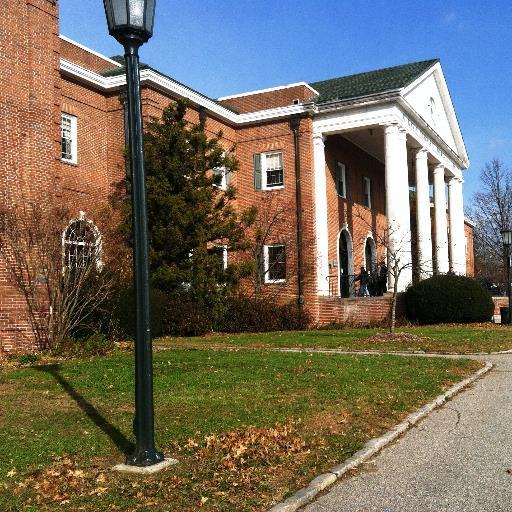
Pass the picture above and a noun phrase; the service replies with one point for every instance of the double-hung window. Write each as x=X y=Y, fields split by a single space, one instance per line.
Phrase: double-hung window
x=268 y=170
x=274 y=259
x=223 y=177
x=221 y=251
x=219 y=174
x=273 y=170
x=367 y=192
x=341 y=180
x=69 y=138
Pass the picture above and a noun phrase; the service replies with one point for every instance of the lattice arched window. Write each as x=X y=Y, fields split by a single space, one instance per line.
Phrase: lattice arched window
x=81 y=244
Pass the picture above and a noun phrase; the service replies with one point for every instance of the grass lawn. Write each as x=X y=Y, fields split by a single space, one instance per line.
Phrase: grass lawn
x=248 y=427
x=437 y=338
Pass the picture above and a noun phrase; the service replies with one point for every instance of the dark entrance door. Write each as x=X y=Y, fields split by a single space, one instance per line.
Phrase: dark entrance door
x=368 y=256
x=343 y=257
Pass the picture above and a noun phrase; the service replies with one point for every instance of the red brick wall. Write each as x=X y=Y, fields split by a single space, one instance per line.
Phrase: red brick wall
x=30 y=127
x=280 y=205
x=470 y=251
x=360 y=220
x=83 y=58
x=499 y=302
x=271 y=99
x=362 y=312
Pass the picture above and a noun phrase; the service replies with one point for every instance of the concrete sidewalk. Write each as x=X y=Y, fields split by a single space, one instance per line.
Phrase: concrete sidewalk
x=459 y=459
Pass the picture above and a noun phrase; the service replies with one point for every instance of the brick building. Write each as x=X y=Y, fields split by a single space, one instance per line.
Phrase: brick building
x=360 y=153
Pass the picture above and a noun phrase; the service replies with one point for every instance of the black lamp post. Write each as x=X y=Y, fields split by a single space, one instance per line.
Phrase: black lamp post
x=131 y=23
x=506 y=235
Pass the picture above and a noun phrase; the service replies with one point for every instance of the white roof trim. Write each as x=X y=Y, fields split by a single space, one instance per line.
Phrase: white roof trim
x=169 y=85
x=469 y=222
x=447 y=103
x=271 y=89
x=68 y=40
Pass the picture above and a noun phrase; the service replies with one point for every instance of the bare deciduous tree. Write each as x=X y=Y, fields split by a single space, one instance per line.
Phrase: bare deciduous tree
x=399 y=260
x=271 y=226
x=491 y=210
x=62 y=286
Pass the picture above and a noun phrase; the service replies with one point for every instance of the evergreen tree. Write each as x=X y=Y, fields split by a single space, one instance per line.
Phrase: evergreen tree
x=190 y=215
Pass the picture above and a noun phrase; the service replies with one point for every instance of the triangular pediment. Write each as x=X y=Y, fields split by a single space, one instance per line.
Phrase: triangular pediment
x=430 y=98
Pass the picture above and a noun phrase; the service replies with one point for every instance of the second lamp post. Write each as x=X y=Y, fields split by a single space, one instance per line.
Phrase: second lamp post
x=506 y=235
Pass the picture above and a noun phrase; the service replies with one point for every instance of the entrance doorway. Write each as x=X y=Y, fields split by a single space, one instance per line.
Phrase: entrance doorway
x=346 y=266
x=370 y=255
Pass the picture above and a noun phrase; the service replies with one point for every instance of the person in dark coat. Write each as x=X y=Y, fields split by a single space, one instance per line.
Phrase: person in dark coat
x=363 y=279
x=383 y=278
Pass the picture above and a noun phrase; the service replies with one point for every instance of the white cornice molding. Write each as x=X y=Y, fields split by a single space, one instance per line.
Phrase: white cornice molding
x=270 y=89
x=89 y=50
x=469 y=222
x=429 y=138
x=170 y=86
x=337 y=116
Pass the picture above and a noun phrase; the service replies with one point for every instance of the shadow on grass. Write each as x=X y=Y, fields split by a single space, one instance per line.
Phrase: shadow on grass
x=117 y=437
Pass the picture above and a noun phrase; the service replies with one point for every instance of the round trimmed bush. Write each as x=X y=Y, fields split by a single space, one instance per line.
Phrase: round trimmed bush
x=448 y=299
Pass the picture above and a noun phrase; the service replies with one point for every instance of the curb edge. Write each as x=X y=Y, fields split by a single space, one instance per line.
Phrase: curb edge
x=308 y=494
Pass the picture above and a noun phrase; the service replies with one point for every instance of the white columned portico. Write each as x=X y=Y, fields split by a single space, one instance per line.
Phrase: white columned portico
x=423 y=215
x=441 y=224
x=322 y=235
x=456 y=217
x=397 y=206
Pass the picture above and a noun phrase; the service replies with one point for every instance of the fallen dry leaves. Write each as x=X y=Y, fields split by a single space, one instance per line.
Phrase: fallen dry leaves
x=396 y=337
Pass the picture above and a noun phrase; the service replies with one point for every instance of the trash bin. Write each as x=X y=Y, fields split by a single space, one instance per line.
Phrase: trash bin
x=505 y=316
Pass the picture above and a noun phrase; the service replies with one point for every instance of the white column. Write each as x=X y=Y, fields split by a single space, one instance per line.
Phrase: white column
x=440 y=221
x=397 y=206
x=456 y=217
x=322 y=235
x=423 y=215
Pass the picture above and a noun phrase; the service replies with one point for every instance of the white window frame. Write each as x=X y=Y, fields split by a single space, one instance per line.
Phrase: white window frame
x=367 y=190
x=224 y=249
x=264 y=170
x=223 y=185
x=97 y=246
x=266 y=264
x=343 y=168
x=74 y=136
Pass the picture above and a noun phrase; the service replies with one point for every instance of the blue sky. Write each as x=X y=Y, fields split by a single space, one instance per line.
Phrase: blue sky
x=229 y=46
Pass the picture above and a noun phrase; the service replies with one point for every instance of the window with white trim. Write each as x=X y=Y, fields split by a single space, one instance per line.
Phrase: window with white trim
x=273 y=173
x=221 y=251
x=367 y=192
x=69 y=138
x=222 y=177
x=81 y=245
x=274 y=260
x=341 y=179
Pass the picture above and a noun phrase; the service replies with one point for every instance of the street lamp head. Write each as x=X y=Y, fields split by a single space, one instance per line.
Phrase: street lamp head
x=506 y=235
x=130 y=20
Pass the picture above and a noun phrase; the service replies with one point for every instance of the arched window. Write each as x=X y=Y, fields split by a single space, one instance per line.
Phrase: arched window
x=81 y=244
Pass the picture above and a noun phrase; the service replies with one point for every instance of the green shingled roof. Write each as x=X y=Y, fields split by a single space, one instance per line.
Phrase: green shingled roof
x=371 y=82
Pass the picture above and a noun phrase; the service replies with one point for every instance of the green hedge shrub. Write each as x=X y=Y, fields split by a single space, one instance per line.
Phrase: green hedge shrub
x=448 y=299
x=262 y=315
x=122 y=314
x=181 y=315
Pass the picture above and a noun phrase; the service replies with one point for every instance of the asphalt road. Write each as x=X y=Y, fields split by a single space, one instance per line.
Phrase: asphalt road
x=459 y=459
